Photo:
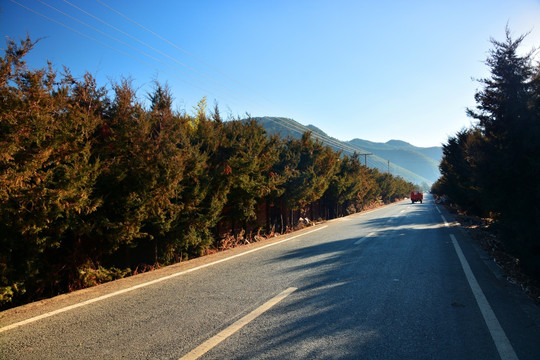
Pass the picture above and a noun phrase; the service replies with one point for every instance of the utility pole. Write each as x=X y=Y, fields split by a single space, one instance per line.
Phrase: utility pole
x=365 y=158
x=389 y=166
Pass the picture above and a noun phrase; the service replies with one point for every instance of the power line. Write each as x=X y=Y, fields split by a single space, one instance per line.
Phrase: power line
x=291 y=126
x=107 y=35
x=235 y=100
x=109 y=46
x=80 y=33
x=151 y=47
x=301 y=129
x=182 y=50
x=229 y=90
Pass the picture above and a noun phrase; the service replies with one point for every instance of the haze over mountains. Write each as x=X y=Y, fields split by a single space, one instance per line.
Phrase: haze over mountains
x=415 y=164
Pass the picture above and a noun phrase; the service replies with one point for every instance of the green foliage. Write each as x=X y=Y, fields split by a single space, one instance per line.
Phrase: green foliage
x=89 y=276
x=47 y=171
x=352 y=187
x=391 y=188
x=313 y=167
x=250 y=157
x=461 y=156
x=492 y=169
x=92 y=186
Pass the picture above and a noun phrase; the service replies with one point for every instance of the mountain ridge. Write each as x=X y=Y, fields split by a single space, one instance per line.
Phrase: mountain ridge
x=415 y=164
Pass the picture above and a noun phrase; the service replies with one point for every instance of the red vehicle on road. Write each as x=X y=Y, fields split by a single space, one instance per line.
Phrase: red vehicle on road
x=417 y=196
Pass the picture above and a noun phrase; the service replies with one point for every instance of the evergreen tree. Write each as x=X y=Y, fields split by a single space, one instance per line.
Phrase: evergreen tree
x=250 y=158
x=391 y=188
x=349 y=187
x=461 y=156
x=313 y=166
x=47 y=174
x=504 y=117
x=206 y=186
x=493 y=169
x=92 y=187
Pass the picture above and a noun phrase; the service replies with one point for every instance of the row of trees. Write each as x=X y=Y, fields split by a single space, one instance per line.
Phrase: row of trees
x=493 y=168
x=95 y=187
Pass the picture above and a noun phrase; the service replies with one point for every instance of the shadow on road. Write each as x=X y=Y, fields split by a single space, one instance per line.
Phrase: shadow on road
x=383 y=298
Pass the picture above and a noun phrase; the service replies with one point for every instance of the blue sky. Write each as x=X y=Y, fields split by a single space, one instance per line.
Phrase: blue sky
x=376 y=70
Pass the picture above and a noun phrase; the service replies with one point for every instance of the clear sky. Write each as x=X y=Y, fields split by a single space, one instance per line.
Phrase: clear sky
x=376 y=70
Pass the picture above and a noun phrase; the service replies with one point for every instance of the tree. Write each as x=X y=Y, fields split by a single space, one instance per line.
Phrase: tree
x=349 y=187
x=47 y=174
x=318 y=164
x=205 y=186
x=459 y=170
x=504 y=118
x=504 y=164
x=93 y=186
x=250 y=158
x=312 y=167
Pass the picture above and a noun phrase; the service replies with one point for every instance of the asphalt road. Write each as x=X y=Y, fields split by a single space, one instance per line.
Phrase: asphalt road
x=386 y=284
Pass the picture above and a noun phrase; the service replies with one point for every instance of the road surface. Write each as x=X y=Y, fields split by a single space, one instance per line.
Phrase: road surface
x=399 y=282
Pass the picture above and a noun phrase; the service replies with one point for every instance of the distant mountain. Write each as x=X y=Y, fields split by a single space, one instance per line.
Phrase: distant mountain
x=421 y=161
x=415 y=164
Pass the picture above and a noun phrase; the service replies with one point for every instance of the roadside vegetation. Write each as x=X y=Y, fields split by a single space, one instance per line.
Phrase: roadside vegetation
x=95 y=187
x=492 y=169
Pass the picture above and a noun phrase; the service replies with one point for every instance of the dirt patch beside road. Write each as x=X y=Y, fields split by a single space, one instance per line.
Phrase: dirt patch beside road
x=482 y=230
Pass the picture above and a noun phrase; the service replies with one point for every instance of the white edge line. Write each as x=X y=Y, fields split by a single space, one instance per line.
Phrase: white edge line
x=224 y=334
x=506 y=352
x=445 y=222
x=152 y=282
x=364 y=238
